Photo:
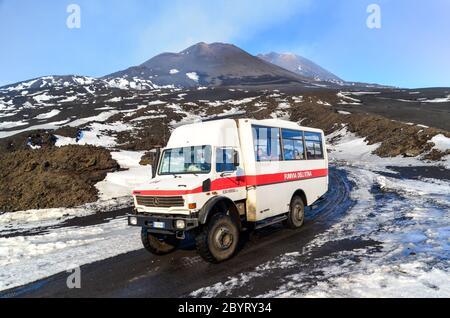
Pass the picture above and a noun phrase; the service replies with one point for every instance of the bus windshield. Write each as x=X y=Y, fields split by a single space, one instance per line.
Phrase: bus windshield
x=186 y=160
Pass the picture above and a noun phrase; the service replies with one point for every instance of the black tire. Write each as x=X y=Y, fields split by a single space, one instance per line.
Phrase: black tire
x=296 y=216
x=158 y=244
x=218 y=239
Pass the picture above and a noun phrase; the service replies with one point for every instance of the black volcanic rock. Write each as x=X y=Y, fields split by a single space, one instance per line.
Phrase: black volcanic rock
x=300 y=65
x=209 y=65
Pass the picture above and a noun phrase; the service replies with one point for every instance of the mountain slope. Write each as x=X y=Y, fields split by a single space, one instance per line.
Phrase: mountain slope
x=300 y=65
x=210 y=65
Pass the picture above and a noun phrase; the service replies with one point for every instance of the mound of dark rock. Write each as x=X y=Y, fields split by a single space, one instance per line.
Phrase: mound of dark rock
x=52 y=177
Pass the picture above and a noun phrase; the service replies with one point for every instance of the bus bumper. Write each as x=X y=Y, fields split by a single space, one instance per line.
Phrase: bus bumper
x=163 y=224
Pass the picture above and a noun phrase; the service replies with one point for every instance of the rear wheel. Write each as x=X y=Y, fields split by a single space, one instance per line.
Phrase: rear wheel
x=158 y=244
x=296 y=216
x=218 y=239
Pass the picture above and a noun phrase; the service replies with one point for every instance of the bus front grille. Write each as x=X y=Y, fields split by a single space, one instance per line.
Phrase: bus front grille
x=160 y=202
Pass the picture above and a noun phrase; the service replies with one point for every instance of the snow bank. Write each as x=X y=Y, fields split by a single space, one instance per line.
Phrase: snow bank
x=122 y=183
x=30 y=219
x=441 y=143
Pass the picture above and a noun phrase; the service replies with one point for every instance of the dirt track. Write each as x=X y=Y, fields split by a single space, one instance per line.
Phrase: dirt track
x=139 y=274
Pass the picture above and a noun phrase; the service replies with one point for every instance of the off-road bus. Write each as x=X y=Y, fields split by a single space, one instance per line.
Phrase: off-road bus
x=217 y=178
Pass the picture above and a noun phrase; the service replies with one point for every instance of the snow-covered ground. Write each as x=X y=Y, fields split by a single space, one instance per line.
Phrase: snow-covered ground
x=24 y=259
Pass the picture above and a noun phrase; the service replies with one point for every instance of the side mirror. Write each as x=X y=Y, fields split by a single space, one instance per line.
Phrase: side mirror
x=155 y=161
x=235 y=158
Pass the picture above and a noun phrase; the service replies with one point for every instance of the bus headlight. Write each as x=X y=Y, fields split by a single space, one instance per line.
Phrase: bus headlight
x=180 y=224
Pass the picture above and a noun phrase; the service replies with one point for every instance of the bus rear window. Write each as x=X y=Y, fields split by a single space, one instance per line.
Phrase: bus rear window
x=314 y=149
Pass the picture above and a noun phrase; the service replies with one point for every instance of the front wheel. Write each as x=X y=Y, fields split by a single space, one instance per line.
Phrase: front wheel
x=218 y=239
x=296 y=216
x=158 y=244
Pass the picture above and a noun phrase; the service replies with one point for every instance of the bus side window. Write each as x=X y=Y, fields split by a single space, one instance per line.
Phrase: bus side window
x=227 y=159
x=314 y=149
x=267 y=143
x=293 y=145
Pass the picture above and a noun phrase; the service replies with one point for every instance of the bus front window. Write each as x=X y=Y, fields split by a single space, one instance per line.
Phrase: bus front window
x=186 y=160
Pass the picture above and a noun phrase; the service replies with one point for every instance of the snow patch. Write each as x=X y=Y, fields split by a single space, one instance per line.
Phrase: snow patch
x=50 y=114
x=98 y=118
x=347 y=100
x=441 y=143
x=193 y=76
x=122 y=183
x=12 y=124
x=68 y=99
x=437 y=100
x=52 y=125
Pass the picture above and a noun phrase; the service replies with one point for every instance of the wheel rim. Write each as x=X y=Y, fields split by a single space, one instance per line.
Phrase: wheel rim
x=298 y=214
x=223 y=238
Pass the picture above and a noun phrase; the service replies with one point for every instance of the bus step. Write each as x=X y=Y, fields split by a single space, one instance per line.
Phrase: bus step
x=270 y=222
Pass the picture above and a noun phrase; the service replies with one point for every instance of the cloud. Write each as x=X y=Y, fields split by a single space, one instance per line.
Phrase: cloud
x=182 y=23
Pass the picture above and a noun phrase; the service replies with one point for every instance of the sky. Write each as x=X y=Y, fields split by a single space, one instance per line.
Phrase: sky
x=410 y=49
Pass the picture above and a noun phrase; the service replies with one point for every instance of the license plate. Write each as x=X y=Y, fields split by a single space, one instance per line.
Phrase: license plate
x=159 y=225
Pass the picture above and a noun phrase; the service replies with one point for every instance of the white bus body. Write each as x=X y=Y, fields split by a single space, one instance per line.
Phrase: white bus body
x=247 y=169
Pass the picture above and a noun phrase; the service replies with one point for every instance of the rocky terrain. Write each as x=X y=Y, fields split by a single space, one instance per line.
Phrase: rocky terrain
x=52 y=177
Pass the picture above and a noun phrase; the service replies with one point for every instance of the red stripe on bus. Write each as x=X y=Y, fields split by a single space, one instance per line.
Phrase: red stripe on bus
x=237 y=182
x=266 y=179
